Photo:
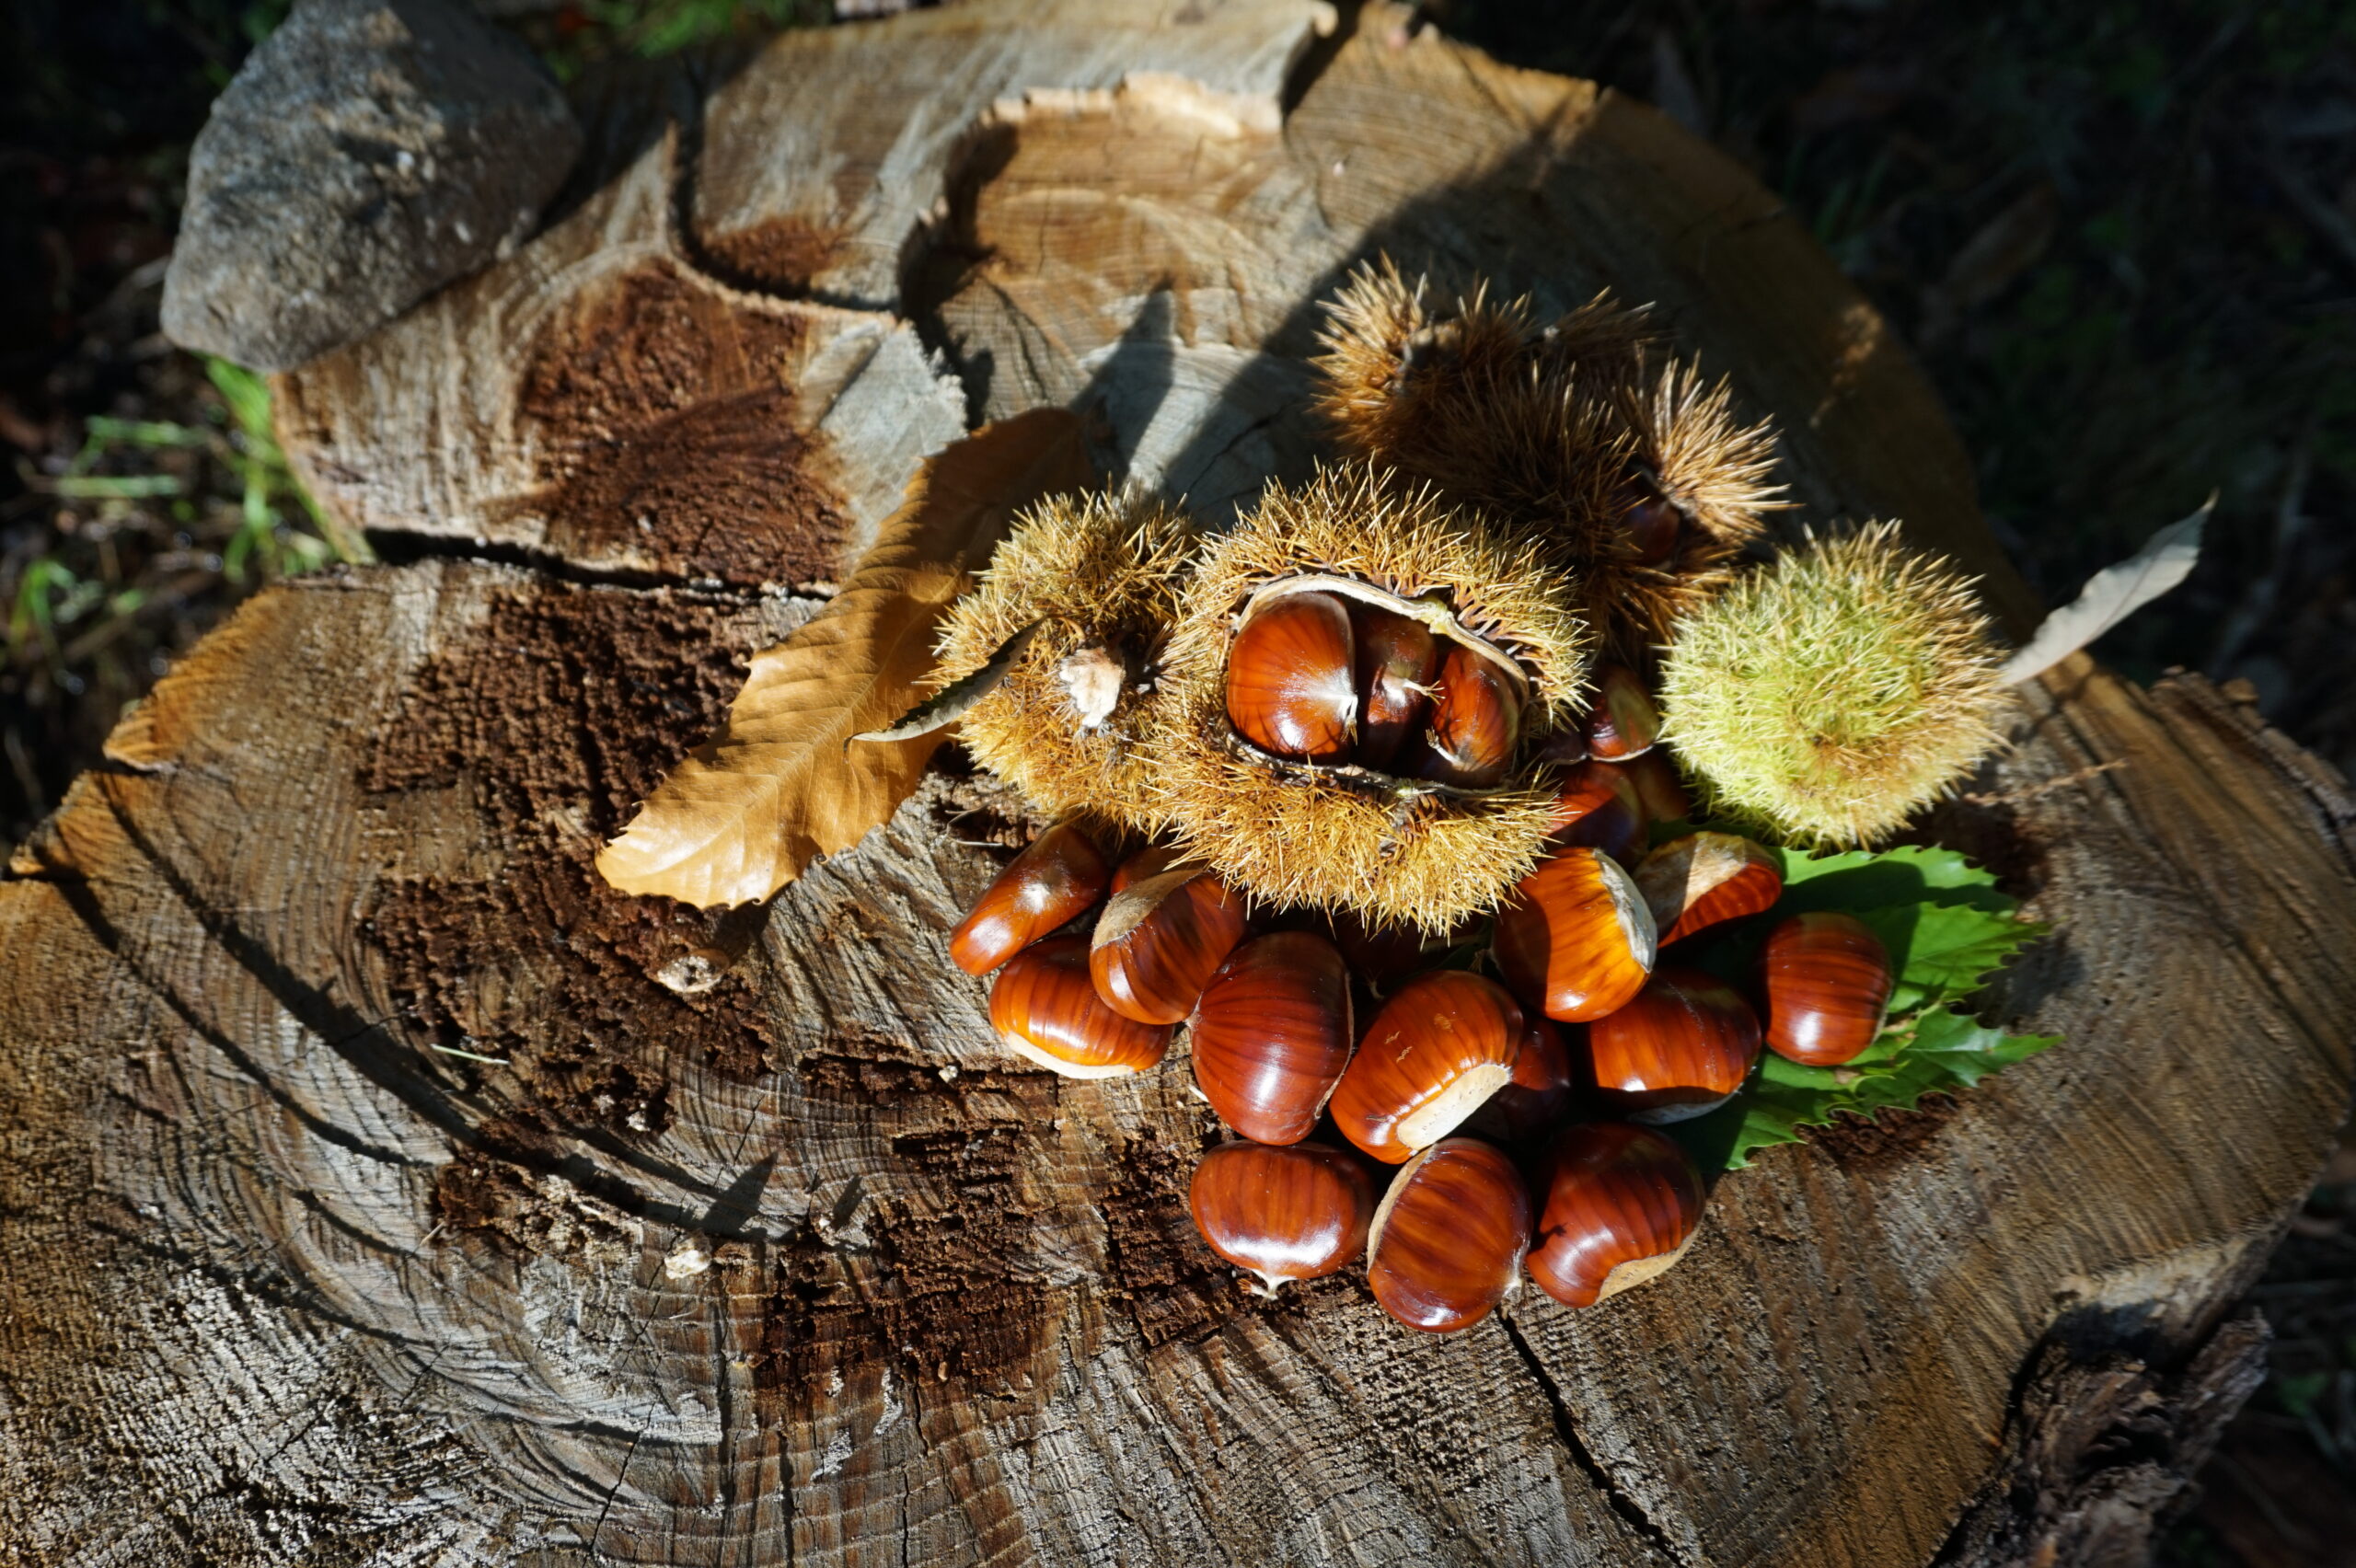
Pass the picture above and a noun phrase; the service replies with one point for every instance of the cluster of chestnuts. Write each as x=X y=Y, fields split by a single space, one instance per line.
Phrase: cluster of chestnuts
x=1515 y=1115
x=1322 y=674
x=1401 y=742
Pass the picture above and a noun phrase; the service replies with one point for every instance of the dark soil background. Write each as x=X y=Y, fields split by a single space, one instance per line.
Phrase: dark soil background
x=2122 y=237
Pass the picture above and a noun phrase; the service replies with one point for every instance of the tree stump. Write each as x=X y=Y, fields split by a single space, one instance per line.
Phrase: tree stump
x=380 y=1187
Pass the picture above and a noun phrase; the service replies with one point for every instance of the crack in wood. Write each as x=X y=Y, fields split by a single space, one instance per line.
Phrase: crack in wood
x=1630 y=1508
x=397 y=546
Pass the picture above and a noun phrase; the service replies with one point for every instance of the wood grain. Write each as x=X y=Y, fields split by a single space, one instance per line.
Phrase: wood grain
x=378 y=1187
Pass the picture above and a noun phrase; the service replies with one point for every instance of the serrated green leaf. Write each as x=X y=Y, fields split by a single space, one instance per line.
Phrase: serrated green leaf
x=1949 y=949
x=1970 y=1050
x=1939 y=1049
x=1946 y=926
x=1909 y=873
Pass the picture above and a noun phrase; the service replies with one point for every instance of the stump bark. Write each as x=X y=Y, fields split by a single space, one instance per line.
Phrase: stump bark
x=380 y=1187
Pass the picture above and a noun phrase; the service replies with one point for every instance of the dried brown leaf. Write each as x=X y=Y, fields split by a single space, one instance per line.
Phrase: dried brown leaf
x=779 y=785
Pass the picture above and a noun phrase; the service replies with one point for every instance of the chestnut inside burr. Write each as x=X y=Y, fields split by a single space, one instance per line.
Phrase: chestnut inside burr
x=1330 y=671
x=1625 y=721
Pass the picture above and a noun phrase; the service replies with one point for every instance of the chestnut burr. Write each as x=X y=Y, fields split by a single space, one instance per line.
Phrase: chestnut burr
x=1300 y=1212
x=1703 y=879
x=1290 y=687
x=1617 y=1204
x=1475 y=722
x=1827 y=980
x=1625 y=723
x=1054 y=880
x=1442 y=1044
x=1447 y=1242
x=1272 y=1034
x=1398 y=660
x=1575 y=940
x=1158 y=942
x=1684 y=1045
x=1046 y=1010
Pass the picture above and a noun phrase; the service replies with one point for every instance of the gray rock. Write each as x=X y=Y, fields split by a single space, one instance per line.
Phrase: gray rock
x=368 y=152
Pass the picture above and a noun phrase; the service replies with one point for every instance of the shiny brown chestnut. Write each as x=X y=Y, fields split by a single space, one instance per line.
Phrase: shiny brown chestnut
x=1150 y=861
x=1158 y=942
x=1386 y=955
x=1045 y=1007
x=1447 y=1242
x=1301 y=1212
x=1054 y=880
x=1652 y=523
x=1475 y=722
x=1596 y=807
x=1827 y=980
x=1679 y=1050
x=1537 y=1098
x=1659 y=789
x=1617 y=1205
x=1289 y=679
x=1704 y=879
x=1442 y=1044
x=1625 y=723
x=1398 y=660
x=1272 y=1034
x=1575 y=940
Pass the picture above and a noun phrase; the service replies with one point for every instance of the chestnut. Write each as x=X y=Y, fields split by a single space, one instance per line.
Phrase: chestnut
x=1447 y=1243
x=1475 y=722
x=1575 y=940
x=1388 y=955
x=1045 y=1007
x=1617 y=1204
x=1054 y=880
x=1282 y=1213
x=1679 y=1050
x=1827 y=980
x=1625 y=723
x=1289 y=679
x=1651 y=522
x=1398 y=658
x=1160 y=939
x=1151 y=861
x=1442 y=1044
x=1596 y=807
x=1705 y=877
x=1659 y=789
x=1538 y=1097
x=1272 y=1034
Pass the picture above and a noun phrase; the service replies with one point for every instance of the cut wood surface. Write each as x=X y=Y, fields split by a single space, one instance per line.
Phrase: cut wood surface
x=380 y=1186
